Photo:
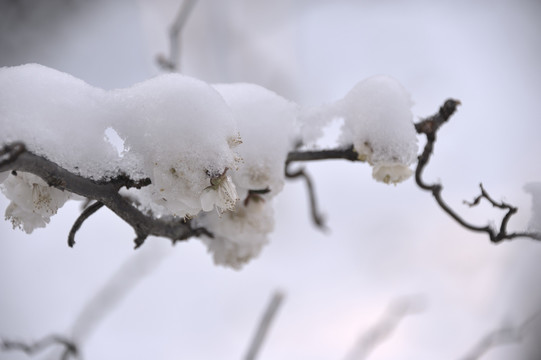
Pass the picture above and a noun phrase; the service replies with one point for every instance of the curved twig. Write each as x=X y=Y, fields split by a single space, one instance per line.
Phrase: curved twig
x=317 y=218
x=87 y=212
x=429 y=127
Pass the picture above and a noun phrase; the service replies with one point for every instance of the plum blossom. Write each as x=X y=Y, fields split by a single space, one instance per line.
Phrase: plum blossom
x=221 y=193
x=239 y=235
x=33 y=202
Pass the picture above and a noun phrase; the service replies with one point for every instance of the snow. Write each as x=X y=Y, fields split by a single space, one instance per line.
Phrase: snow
x=203 y=146
x=266 y=122
x=378 y=122
x=241 y=234
x=43 y=107
x=180 y=133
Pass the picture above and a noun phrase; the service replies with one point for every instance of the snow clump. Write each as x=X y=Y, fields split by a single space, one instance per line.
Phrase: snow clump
x=377 y=121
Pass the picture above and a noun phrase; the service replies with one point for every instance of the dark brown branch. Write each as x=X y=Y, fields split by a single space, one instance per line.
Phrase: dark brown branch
x=14 y=157
x=38 y=346
x=330 y=154
x=429 y=127
x=317 y=218
x=87 y=212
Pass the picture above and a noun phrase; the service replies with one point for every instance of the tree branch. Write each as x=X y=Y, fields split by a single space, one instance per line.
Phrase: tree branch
x=502 y=336
x=264 y=325
x=15 y=157
x=172 y=63
x=87 y=212
x=429 y=127
x=49 y=341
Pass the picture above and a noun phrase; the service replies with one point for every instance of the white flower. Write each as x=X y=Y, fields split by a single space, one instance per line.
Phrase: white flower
x=33 y=202
x=221 y=193
x=391 y=173
x=239 y=235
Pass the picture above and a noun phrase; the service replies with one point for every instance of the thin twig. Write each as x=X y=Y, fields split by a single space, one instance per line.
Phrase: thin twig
x=317 y=218
x=38 y=346
x=429 y=127
x=172 y=63
x=503 y=336
x=384 y=328
x=87 y=212
x=264 y=325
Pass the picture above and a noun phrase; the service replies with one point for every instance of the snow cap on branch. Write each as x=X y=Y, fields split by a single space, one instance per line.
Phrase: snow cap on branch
x=379 y=123
x=266 y=123
x=181 y=134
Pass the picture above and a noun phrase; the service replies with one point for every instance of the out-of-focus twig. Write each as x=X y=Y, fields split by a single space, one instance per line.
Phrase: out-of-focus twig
x=384 y=328
x=129 y=275
x=70 y=349
x=171 y=63
x=264 y=325
x=502 y=336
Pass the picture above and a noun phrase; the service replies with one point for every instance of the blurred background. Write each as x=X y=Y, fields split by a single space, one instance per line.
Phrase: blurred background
x=385 y=243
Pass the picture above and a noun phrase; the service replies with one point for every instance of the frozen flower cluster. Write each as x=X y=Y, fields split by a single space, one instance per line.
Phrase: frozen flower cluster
x=213 y=153
x=33 y=202
x=377 y=120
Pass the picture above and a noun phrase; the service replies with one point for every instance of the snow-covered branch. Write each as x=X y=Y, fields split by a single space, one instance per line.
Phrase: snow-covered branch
x=15 y=158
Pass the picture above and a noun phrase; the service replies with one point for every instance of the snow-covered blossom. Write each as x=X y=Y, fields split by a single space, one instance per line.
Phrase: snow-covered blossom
x=379 y=123
x=391 y=173
x=377 y=120
x=33 y=202
x=239 y=235
x=266 y=122
x=534 y=189
x=221 y=193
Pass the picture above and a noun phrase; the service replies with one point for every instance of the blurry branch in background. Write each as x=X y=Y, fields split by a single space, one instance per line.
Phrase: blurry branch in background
x=49 y=342
x=385 y=327
x=172 y=63
x=504 y=336
x=429 y=127
x=116 y=289
x=264 y=325
x=129 y=275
